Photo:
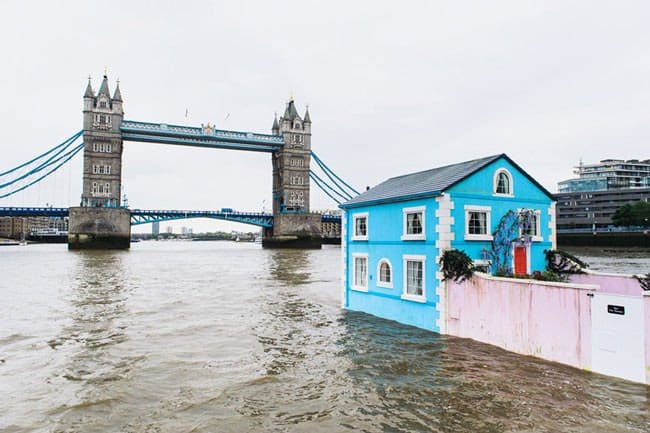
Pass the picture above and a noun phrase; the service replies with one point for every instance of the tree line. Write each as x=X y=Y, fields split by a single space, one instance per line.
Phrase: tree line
x=633 y=214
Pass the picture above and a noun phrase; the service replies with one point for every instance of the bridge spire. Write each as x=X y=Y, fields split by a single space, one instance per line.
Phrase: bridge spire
x=117 y=96
x=276 y=127
x=307 y=118
x=89 y=90
x=103 y=89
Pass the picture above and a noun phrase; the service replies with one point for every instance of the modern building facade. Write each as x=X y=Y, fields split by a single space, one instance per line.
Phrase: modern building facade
x=608 y=174
x=395 y=233
x=588 y=202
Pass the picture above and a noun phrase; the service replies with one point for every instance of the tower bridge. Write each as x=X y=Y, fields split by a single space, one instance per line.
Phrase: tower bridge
x=101 y=221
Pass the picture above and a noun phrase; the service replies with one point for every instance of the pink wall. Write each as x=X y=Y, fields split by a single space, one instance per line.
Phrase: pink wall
x=646 y=303
x=610 y=283
x=547 y=320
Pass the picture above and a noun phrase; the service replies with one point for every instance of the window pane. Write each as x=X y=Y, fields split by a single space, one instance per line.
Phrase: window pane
x=414 y=278
x=477 y=223
x=384 y=273
x=503 y=184
x=360 y=227
x=360 y=271
x=414 y=223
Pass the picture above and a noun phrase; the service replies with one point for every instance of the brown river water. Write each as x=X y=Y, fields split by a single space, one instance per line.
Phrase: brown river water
x=228 y=337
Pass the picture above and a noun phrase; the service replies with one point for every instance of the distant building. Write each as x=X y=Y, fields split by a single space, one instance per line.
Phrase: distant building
x=170 y=230
x=588 y=202
x=608 y=174
x=13 y=227
x=155 y=228
x=395 y=233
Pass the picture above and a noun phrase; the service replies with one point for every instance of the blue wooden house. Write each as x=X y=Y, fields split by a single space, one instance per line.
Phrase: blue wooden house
x=394 y=234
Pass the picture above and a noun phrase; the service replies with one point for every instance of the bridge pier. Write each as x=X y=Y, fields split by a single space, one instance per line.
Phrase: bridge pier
x=294 y=230
x=99 y=228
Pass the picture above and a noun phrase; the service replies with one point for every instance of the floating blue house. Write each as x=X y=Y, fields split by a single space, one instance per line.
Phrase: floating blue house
x=394 y=234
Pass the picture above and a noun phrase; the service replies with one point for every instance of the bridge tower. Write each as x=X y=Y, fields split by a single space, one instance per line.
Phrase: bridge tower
x=293 y=224
x=99 y=221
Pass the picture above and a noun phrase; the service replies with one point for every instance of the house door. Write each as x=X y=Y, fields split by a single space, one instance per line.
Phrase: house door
x=617 y=336
x=521 y=260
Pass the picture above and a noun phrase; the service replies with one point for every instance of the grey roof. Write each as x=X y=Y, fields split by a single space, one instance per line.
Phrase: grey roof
x=290 y=112
x=421 y=184
x=307 y=118
x=89 y=91
x=275 y=123
x=103 y=89
x=117 y=96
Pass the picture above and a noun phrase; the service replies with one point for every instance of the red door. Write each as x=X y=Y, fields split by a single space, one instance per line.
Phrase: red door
x=521 y=262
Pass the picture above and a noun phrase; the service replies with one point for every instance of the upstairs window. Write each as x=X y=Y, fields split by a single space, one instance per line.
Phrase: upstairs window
x=478 y=223
x=360 y=222
x=534 y=228
x=502 y=182
x=413 y=223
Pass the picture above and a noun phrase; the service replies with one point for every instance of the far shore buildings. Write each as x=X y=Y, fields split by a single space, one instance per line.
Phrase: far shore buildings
x=394 y=234
x=588 y=202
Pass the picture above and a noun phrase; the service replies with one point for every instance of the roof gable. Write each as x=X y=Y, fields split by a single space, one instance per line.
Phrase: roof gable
x=430 y=182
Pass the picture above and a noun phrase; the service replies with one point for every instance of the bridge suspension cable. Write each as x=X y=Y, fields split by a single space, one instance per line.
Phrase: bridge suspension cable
x=58 y=156
x=329 y=171
x=317 y=180
x=335 y=185
x=65 y=144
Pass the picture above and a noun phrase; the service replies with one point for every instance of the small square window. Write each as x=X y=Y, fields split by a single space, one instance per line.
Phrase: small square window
x=360 y=222
x=477 y=223
x=413 y=223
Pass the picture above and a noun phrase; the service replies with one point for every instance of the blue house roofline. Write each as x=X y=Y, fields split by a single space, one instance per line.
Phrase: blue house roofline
x=392 y=199
x=485 y=162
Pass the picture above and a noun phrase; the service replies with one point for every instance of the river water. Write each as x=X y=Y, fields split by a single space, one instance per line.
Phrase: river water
x=227 y=337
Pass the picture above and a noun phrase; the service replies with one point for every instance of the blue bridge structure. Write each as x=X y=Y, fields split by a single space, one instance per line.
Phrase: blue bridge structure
x=102 y=220
x=140 y=216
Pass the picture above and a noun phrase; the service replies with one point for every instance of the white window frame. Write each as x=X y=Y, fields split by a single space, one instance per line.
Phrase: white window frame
x=488 y=223
x=385 y=284
x=353 y=284
x=355 y=217
x=409 y=236
x=408 y=296
x=538 y=236
x=495 y=183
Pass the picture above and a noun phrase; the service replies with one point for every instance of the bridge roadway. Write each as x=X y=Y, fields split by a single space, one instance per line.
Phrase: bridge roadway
x=204 y=136
x=139 y=216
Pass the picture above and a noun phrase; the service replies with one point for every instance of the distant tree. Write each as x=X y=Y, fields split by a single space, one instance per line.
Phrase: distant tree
x=624 y=216
x=641 y=213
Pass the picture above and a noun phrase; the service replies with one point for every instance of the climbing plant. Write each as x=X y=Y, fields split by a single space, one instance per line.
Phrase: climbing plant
x=561 y=262
x=644 y=281
x=456 y=265
x=514 y=228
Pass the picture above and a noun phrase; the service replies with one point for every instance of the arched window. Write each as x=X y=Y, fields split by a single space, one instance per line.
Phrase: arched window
x=385 y=273
x=503 y=182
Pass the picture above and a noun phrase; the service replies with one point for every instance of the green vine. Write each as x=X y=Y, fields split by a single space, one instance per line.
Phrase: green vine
x=456 y=265
x=644 y=281
x=561 y=262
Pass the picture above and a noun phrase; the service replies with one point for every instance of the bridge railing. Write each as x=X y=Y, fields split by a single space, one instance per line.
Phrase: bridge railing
x=165 y=129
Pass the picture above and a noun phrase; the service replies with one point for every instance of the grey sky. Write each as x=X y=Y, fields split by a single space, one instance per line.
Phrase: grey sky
x=393 y=87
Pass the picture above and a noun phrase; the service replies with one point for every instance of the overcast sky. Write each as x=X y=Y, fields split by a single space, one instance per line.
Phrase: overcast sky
x=392 y=87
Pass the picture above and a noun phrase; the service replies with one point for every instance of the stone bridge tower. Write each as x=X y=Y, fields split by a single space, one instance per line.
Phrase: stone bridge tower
x=100 y=222
x=293 y=224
